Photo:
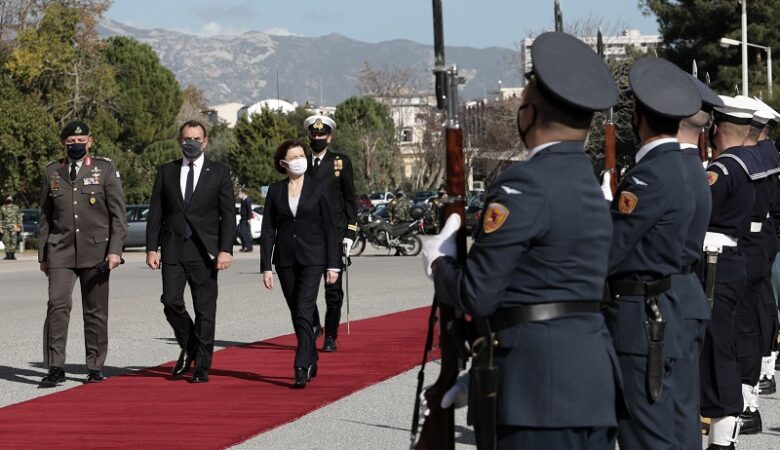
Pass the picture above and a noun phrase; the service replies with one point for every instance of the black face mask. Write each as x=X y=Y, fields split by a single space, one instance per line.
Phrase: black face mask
x=520 y=129
x=318 y=145
x=77 y=150
x=191 y=149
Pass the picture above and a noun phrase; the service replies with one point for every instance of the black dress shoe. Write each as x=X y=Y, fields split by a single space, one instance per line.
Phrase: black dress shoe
x=751 y=422
x=767 y=386
x=311 y=372
x=95 y=376
x=330 y=344
x=720 y=447
x=301 y=377
x=200 y=376
x=55 y=376
x=183 y=364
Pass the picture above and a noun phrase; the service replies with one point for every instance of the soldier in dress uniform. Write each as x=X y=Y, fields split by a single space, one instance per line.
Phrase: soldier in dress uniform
x=732 y=202
x=537 y=266
x=652 y=213
x=334 y=171
x=10 y=225
x=693 y=307
x=82 y=231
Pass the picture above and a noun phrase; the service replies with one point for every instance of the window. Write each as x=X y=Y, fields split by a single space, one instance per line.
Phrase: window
x=406 y=135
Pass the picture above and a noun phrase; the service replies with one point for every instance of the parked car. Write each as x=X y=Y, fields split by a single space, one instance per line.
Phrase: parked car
x=255 y=224
x=474 y=212
x=30 y=218
x=381 y=197
x=423 y=197
x=136 y=225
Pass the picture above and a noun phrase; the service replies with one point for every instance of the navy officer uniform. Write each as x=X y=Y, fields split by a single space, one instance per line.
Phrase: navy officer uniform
x=694 y=309
x=732 y=201
x=652 y=213
x=537 y=266
x=334 y=171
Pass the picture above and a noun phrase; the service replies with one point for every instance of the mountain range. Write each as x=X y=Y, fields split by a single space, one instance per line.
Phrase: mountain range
x=321 y=70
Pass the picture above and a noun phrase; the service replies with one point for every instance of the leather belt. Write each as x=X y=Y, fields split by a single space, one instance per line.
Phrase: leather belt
x=535 y=312
x=640 y=288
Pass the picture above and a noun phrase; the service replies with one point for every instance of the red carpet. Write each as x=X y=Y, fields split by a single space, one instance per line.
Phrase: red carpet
x=248 y=393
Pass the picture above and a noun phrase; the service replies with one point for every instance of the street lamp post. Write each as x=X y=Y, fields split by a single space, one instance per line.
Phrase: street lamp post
x=744 y=49
x=725 y=42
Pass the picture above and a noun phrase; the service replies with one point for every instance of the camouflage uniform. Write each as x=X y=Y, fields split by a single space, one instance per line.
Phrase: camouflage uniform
x=10 y=225
x=437 y=207
x=399 y=210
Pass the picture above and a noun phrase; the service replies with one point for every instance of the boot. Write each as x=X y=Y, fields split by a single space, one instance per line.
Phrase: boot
x=7 y=256
x=767 y=385
x=751 y=422
x=13 y=255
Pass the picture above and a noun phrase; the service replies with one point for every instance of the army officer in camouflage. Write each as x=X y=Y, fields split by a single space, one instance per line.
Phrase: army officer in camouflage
x=82 y=231
x=10 y=225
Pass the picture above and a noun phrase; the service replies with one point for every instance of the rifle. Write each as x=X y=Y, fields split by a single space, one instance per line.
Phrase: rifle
x=438 y=430
x=610 y=133
x=558 y=17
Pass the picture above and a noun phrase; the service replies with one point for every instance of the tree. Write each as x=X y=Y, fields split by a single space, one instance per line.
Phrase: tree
x=27 y=143
x=256 y=139
x=367 y=134
x=692 y=30
x=148 y=97
x=192 y=106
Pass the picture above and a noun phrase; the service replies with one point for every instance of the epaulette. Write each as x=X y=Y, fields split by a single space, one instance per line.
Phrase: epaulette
x=102 y=158
x=56 y=161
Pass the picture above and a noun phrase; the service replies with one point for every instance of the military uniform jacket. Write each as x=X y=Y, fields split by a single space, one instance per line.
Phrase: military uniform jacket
x=544 y=238
x=335 y=174
x=652 y=212
x=759 y=244
x=10 y=217
x=82 y=221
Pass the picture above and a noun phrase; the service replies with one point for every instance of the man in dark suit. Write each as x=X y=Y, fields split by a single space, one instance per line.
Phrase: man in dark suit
x=334 y=171
x=245 y=215
x=192 y=218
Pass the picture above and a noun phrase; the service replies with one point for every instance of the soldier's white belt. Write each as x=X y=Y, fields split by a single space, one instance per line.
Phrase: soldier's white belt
x=714 y=242
x=755 y=227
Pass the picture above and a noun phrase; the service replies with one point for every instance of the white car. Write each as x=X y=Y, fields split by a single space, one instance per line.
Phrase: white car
x=254 y=224
x=381 y=197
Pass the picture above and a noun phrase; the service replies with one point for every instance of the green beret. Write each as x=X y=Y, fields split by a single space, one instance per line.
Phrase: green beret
x=74 y=128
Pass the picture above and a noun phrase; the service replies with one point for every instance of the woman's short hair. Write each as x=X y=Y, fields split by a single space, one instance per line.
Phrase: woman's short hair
x=281 y=152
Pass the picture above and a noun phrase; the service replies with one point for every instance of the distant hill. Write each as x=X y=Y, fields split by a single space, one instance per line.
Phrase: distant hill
x=244 y=68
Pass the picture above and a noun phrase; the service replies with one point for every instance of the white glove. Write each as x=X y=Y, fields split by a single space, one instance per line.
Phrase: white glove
x=441 y=245
x=347 y=245
x=606 y=185
x=458 y=394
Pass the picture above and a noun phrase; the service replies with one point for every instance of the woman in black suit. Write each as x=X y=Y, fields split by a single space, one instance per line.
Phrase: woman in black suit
x=299 y=232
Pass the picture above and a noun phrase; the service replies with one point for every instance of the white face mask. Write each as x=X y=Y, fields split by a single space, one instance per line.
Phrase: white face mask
x=297 y=166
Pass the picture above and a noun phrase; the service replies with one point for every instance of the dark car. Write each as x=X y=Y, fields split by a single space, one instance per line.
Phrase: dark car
x=423 y=197
x=30 y=219
x=474 y=212
x=136 y=225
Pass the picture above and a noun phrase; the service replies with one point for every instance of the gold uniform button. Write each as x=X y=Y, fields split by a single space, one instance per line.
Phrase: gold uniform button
x=75 y=203
x=75 y=189
x=77 y=230
x=106 y=239
x=76 y=216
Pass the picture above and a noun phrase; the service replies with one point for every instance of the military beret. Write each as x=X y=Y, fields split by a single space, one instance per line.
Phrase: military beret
x=735 y=110
x=319 y=122
x=663 y=88
x=74 y=128
x=571 y=72
x=709 y=99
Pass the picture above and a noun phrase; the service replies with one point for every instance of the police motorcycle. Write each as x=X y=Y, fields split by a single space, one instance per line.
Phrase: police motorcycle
x=401 y=237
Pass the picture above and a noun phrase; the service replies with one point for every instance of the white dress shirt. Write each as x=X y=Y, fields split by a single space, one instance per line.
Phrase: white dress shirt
x=647 y=148
x=539 y=148
x=185 y=169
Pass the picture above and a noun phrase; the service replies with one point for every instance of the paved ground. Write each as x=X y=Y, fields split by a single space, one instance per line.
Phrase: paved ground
x=378 y=417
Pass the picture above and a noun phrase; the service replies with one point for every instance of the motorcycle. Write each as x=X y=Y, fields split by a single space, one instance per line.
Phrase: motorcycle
x=400 y=237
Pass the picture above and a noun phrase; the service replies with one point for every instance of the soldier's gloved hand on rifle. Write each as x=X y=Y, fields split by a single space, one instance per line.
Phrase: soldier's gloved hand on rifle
x=606 y=185
x=347 y=244
x=442 y=244
x=458 y=395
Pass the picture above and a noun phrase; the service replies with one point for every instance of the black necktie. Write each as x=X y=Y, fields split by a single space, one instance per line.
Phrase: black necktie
x=316 y=165
x=73 y=171
x=190 y=182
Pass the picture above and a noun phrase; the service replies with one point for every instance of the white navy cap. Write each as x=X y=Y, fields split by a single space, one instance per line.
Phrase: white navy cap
x=768 y=110
x=319 y=122
x=735 y=110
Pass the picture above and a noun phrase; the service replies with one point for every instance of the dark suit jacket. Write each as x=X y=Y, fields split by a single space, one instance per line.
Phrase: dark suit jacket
x=335 y=173
x=211 y=213
x=308 y=238
x=246 y=209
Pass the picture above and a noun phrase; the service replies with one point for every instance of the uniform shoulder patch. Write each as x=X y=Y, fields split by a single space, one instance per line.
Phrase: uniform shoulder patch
x=712 y=177
x=627 y=202
x=102 y=158
x=494 y=217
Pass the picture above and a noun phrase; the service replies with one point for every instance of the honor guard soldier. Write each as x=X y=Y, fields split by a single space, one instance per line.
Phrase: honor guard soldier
x=334 y=171
x=652 y=213
x=537 y=266
x=82 y=232
x=694 y=310
x=725 y=276
x=755 y=324
x=10 y=225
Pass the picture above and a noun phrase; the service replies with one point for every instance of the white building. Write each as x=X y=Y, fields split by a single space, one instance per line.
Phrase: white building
x=226 y=112
x=273 y=104
x=410 y=114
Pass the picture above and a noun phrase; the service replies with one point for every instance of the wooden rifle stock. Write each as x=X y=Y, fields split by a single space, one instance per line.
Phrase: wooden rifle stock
x=703 y=145
x=610 y=159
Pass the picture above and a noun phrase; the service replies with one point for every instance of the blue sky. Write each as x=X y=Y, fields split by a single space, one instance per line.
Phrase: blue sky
x=474 y=23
